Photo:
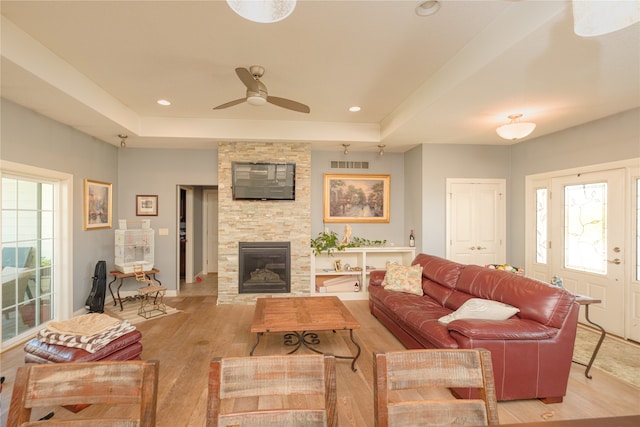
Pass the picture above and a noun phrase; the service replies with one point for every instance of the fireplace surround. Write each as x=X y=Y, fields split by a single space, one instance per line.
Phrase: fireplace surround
x=264 y=267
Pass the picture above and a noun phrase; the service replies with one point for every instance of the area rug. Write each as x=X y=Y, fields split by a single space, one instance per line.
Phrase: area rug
x=618 y=357
x=130 y=312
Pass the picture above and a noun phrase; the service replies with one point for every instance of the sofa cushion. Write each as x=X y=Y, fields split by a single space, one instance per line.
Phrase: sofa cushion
x=477 y=308
x=441 y=274
x=402 y=278
x=536 y=300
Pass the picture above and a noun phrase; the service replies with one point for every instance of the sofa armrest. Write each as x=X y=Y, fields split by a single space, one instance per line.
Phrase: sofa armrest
x=510 y=329
x=376 y=277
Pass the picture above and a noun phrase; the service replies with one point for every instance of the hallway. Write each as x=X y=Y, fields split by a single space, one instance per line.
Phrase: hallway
x=207 y=287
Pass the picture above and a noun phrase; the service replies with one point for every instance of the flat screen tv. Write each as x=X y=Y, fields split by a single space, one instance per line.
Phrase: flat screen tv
x=263 y=181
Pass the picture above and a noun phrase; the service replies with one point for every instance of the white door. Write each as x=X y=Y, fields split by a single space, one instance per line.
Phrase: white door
x=587 y=241
x=633 y=305
x=476 y=211
x=211 y=200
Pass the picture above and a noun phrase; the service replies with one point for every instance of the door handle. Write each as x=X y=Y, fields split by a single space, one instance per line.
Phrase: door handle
x=480 y=248
x=615 y=261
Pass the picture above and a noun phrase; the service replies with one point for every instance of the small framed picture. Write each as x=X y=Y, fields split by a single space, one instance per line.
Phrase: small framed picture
x=98 y=198
x=146 y=205
x=337 y=265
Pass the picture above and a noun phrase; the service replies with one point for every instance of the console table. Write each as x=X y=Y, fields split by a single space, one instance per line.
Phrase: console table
x=586 y=301
x=120 y=275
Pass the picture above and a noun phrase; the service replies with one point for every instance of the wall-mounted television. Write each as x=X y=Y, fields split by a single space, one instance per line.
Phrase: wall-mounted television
x=263 y=181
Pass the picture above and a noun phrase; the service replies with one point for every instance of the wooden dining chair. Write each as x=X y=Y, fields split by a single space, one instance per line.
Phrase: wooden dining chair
x=86 y=383
x=277 y=391
x=410 y=388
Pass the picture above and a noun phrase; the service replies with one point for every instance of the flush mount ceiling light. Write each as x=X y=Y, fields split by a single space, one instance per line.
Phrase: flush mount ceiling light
x=427 y=8
x=381 y=147
x=594 y=18
x=514 y=129
x=354 y=109
x=164 y=102
x=263 y=11
x=346 y=148
x=123 y=140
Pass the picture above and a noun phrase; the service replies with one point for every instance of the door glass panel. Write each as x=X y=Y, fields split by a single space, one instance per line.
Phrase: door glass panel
x=638 y=229
x=27 y=255
x=585 y=231
x=541 y=225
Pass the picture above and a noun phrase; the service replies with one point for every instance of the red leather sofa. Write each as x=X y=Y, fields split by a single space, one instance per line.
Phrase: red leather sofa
x=531 y=351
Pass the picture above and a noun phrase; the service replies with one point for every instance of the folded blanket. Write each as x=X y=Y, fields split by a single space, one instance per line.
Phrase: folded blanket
x=89 y=343
x=86 y=324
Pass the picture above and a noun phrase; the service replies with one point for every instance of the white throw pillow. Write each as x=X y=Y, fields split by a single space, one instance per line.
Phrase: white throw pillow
x=477 y=308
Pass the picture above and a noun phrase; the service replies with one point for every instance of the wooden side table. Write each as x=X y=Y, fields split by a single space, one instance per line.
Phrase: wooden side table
x=586 y=301
x=120 y=275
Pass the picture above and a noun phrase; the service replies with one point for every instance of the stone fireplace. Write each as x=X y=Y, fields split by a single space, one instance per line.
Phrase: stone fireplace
x=264 y=267
x=263 y=221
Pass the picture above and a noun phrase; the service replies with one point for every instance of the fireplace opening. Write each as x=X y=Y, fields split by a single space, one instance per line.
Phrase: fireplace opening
x=264 y=267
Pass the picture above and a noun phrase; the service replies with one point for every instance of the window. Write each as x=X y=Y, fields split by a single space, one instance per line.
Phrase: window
x=585 y=227
x=541 y=225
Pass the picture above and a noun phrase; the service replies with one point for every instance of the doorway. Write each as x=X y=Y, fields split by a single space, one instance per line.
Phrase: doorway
x=476 y=225
x=197 y=238
x=582 y=226
x=588 y=228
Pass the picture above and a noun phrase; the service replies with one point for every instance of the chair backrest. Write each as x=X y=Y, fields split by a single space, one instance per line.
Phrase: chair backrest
x=87 y=383
x=410 y=388
x=294 y=390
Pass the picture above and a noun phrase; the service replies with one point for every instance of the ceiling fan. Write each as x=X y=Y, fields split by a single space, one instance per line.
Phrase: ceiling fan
x=257 y=92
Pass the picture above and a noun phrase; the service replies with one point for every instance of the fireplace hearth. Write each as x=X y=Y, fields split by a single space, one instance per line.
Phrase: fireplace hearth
x=264 y=267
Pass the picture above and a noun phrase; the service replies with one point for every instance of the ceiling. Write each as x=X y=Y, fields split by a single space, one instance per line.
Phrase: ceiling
x=450 y=78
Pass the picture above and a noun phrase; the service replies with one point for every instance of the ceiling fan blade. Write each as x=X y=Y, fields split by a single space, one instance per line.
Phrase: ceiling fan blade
x=230 y=104
x=247 y=79
x=288 y=104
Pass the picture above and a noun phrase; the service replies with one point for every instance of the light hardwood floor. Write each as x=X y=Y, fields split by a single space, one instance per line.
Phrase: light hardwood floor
x=185 y=342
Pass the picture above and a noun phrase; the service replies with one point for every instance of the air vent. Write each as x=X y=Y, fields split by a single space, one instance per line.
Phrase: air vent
x=340 y=164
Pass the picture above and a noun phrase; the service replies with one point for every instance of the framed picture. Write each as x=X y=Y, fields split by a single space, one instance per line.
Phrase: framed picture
x=356 y=198
x=98 y=199
x=146 y=205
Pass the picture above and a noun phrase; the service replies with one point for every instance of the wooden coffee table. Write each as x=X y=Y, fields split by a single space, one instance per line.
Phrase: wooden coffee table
x=299 y=317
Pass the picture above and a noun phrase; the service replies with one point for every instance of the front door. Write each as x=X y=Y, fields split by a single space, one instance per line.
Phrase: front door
x=587 y=241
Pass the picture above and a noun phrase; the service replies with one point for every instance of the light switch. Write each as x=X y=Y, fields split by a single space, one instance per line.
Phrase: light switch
x=163 y=231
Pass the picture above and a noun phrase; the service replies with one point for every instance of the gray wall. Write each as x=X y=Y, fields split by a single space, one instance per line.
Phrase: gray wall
x=32 y=139
x=606 y=140
x=392 y=164
x=442 y=161
x=417 y=181
x=413 y=206
x=160 y=172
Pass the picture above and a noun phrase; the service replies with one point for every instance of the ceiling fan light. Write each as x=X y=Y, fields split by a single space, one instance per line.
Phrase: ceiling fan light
x=263 y=11
x=256 y=100
x=594 y=18
x=515 y=130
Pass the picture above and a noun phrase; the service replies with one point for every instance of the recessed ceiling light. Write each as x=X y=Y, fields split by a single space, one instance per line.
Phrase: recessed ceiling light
x=354 y=109
x=163 y=102
x=427 y=8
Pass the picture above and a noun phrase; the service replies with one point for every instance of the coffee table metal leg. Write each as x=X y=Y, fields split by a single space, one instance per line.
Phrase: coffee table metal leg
x=309 y=339
x=258 y=335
